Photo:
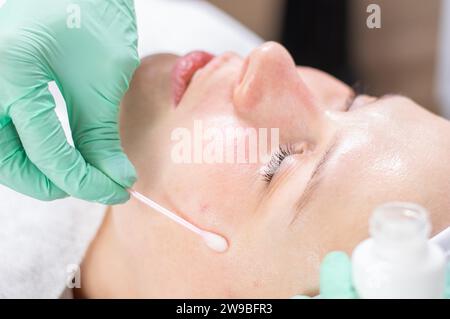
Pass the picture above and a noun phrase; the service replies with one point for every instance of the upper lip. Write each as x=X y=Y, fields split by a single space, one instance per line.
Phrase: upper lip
x=184 y=69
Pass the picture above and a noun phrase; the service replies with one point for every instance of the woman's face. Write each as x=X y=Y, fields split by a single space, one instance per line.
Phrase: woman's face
x=343 y=158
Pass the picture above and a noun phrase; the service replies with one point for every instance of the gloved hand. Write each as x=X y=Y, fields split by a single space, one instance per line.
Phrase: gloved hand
x=89 y=47
x=336 y=277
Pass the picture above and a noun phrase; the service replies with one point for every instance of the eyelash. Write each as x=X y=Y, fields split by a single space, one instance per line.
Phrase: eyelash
x=277 y=158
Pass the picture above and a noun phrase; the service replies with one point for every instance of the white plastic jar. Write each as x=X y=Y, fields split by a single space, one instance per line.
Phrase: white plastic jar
x=399 y=261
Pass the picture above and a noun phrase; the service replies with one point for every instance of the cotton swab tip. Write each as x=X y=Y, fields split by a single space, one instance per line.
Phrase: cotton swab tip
x=215 y=242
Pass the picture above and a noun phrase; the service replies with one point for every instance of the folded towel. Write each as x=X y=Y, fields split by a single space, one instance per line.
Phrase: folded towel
x=40 y=241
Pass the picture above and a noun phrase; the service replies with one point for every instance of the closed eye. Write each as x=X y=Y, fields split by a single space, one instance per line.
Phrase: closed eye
x=276 y=159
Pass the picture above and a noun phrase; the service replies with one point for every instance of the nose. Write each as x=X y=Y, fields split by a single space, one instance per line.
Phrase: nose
x=270 y=90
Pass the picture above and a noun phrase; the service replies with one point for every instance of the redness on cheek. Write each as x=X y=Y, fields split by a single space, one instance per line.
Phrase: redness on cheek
x=213 y=240
x=208 y=215
x=256 y=283
x=204 y=208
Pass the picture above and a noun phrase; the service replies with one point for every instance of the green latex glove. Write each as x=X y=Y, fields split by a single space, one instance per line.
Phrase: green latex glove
x=89 y=47
x=336 y=278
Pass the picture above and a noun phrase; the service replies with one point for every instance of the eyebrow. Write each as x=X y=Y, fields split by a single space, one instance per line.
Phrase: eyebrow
x=315 y=179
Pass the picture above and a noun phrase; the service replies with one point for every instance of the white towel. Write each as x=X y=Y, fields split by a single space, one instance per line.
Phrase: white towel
x=39 y=241
x=180 y=26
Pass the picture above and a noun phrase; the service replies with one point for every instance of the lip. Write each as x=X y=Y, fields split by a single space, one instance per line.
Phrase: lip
x=183 y=71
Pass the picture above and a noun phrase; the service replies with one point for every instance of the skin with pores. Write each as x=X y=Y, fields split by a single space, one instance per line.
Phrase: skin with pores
x=279 y=231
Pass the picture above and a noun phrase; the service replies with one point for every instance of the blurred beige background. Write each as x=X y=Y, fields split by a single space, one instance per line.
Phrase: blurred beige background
x=401 y=56
x=398 y=58
x=262 y=16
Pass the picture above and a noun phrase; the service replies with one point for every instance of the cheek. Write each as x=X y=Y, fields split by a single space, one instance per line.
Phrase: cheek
x=215 y=196
x=216 y=184
x=275 y=262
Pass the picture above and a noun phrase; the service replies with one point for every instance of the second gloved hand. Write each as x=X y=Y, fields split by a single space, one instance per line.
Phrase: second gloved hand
x=90 y=49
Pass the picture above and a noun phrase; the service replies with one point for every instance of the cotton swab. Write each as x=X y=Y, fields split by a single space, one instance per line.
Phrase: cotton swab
x=212 y=240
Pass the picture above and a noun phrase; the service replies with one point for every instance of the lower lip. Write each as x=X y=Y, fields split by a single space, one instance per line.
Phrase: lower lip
x=183 y=71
